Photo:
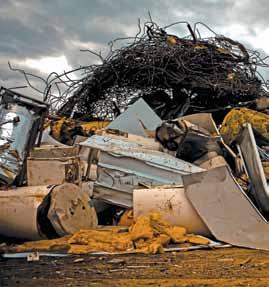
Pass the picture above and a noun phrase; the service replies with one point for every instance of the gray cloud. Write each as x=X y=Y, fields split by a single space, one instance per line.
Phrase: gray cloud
x=38 y=28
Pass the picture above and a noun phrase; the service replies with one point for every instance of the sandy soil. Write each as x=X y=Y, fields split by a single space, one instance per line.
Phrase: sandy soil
x=225 y=267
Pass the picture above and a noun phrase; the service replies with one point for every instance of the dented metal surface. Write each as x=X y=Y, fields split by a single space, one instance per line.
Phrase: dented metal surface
x=19 y=123
x=124 y=166
x=109 y=143
x=120 y=149
x=227 y=211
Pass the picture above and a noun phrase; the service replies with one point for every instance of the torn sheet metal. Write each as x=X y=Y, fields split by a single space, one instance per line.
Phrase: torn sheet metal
x=203 y=120
x=40 y=212
x=53 y=165
x=226 y=209
x=138 y=118
x=144 y=142
x=125 y=166
x=20 y=119
x=109 y=143
x=173 y=206
x=253 y=165
x=154 y=159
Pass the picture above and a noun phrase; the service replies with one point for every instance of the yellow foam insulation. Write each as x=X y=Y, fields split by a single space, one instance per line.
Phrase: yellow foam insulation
x=127 y=218
x=234 y=120
x=147 y=234
x=66 y=127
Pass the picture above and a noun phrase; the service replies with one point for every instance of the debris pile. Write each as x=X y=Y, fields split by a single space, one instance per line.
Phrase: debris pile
x=174 y=75
x=134 y=161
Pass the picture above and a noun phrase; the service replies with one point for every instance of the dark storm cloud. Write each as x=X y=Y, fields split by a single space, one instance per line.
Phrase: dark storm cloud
x=38 y=28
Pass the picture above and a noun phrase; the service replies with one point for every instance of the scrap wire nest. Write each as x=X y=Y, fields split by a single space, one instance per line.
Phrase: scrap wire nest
x=175 y=75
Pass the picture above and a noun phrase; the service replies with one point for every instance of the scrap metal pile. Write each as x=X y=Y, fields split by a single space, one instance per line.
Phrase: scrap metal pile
x=175 y=75
x=151 y=166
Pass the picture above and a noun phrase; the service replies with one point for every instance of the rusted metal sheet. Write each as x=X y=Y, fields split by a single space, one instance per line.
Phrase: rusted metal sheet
x=254 y=168
x=137 y=119
x=124 y=166
x=172 y=204
x=53 y=165
x=226 y=209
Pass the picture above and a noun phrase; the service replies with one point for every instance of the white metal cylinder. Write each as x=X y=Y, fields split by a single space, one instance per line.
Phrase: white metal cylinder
x=18 y=211
x=172 y=204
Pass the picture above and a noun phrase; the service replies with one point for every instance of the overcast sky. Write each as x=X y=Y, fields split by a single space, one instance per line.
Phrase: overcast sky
x=42 y=36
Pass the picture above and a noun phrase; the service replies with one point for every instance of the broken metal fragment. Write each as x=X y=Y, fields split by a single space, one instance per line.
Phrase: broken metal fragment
x=137 y=119
x=226 y=210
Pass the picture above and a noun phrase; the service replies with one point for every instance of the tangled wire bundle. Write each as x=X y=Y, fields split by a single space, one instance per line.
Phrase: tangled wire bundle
x=175 y=75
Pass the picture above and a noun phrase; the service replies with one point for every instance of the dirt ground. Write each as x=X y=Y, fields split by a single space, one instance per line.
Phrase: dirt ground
x=223 y=267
